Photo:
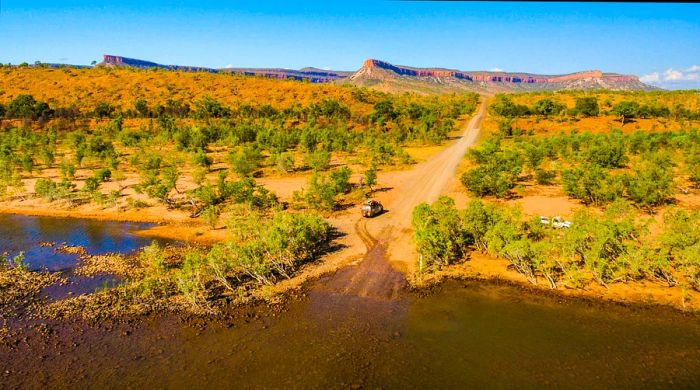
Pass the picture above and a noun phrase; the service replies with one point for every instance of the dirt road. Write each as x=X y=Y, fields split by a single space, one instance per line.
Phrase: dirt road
x=388 y=237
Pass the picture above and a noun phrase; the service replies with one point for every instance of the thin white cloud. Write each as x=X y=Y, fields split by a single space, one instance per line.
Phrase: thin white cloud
x=650 y=78
x=229 y=66
x=496 y=70
x=673 y=75
x=674 y=78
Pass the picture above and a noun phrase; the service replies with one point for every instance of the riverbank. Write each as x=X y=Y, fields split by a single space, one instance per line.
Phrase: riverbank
x=482 y=267
x=350 y=249
x=325 y=338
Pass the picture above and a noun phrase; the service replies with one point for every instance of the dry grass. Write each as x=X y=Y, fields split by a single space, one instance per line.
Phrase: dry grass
x=121 y=87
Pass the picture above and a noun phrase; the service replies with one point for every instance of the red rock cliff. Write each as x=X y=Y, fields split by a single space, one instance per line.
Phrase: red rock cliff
x=495 y=77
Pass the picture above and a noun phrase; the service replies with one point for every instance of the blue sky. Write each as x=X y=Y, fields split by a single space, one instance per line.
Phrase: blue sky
x=660 y=42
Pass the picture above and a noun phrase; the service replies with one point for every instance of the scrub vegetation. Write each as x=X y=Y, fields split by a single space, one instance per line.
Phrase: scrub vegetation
x=196 y=148
x=263 y=247
x=120 y=139
x=604 y=248
x=628 y=226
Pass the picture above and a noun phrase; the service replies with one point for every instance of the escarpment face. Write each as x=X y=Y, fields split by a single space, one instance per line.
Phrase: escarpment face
x=494 y=77
x=377 y=74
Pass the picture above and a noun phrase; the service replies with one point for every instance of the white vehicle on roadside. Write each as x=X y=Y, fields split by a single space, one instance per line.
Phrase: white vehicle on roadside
x=556 y=222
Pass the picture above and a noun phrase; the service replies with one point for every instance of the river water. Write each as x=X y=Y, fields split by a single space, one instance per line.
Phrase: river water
x=462 y=335
x=20 y=233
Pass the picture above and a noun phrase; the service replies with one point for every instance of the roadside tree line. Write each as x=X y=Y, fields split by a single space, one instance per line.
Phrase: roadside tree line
x=604 y=248
x=644 y=167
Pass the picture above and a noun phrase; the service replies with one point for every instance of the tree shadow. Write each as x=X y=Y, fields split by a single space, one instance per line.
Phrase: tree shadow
x=333 y=245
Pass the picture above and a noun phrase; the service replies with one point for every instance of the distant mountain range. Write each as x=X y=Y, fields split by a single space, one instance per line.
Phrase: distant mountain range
x=313 y=75
x=396 y=78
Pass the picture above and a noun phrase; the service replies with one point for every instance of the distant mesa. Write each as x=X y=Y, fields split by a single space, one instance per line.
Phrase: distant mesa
x=313 y=75
x=395 y=78
x=398 y=78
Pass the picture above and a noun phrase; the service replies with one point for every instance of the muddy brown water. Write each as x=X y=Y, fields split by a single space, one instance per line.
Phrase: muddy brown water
x=360 y=328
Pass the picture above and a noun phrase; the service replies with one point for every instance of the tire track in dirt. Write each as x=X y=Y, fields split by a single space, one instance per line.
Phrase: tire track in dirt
x=374 y=276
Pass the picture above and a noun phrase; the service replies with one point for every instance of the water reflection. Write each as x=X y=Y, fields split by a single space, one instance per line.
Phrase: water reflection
x=25 y=233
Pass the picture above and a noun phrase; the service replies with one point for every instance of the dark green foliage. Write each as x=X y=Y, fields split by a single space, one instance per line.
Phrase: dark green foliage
x=592 y=165
x=370 y=178
x=607 y=152
x=587 y=106
x=99 y=147
x=45 y=188
x=439 y=236
x=651 y=183
x=141 y=107
x=321 y=194
x=548 y=107
x=208 y=107
x=544 y=177
x=626 y=110
x=50 y=190
x=330 y=109
x=104 y=110
x=26 y=107
x=341 y=180
x=505 y=107
x=103 y=174
x=497 y=172
x=383 y=112
x=591 y=184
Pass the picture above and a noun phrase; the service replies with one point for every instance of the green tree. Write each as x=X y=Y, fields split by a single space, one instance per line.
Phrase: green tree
x=246 y=160
x=341 y=180
x=141 y=107
x=626 y=110
x=319 y=160
x=439 y=236
x=591 y=184
x=651 y=183
x=548 y=107
x=587 y=106
x=103 y=110
x=370 y=177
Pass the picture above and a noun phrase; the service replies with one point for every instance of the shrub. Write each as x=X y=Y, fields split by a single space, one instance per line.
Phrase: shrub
x=591 y=184
x=50 y=190
x=103 y=174
x=651 y=183
x=201 y=159
x=626 y=110
x=246 y=160
x=319 y=160
x=103 y=110
x=548 y=107
x=439 y=236
x=587 y=106
x=210 y=215
x=497 y=173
